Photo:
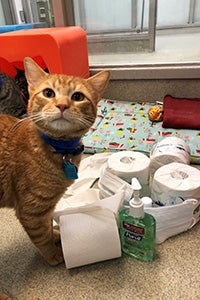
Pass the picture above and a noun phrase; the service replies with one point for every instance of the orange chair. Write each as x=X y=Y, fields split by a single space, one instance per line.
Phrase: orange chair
x=63 y=49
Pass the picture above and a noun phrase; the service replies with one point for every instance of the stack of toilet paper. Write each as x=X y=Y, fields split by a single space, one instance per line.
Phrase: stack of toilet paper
x=174 y=183
x=176 y=192
x=170 y=149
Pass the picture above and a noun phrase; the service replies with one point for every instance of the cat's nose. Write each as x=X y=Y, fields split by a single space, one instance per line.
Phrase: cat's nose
x=62 y=107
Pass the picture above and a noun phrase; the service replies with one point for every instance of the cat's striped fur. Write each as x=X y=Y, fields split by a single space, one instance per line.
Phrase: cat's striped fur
x=31 y=175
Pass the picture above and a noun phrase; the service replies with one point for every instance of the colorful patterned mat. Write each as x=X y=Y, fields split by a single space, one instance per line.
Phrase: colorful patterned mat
x=124 y=125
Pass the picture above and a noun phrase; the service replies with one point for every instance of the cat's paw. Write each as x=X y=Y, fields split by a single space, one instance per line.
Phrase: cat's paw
x=4 y=297
x=56 y=257
x=56 y=236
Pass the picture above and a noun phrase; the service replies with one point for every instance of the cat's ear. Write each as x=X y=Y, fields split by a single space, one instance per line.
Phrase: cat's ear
x=99 y=81
x=33 y=72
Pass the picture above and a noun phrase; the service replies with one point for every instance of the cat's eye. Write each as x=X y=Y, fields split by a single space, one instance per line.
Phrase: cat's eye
x=49 y=93
x=78 y=96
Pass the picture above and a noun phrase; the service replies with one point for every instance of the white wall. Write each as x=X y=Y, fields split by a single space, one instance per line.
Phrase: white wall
x=2 y=19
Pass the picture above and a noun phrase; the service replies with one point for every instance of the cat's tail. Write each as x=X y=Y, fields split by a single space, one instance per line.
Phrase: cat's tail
x=4 y=297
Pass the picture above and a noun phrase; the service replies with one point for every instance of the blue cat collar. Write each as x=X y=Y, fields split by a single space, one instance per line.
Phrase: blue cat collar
x=71 y=146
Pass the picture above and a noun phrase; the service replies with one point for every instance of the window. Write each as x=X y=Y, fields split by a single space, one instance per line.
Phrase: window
x=134 y=38
x=123 y=38
x=116 y=26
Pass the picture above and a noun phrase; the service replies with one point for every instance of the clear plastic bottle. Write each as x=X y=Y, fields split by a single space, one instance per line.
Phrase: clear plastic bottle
x=137 y=228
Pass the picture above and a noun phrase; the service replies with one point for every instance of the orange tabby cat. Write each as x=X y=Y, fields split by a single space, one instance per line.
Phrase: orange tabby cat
x=39 y=155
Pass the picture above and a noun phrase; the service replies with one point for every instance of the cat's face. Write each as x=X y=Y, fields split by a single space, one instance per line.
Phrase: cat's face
x=63 y=106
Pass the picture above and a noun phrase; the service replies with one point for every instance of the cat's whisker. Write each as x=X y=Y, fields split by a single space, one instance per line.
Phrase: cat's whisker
x=20 y=123
x=41 y=116
x=85 y=121
x=37 y=118
x=85 y=118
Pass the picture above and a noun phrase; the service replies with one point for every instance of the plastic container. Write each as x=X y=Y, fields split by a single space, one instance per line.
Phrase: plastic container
x=137 y=228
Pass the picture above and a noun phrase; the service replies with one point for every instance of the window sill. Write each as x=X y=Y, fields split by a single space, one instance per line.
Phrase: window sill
x=152 y=71
x=176 y=57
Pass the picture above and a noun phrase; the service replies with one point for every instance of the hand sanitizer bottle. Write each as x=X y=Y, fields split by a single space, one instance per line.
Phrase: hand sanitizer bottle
x=137 y=228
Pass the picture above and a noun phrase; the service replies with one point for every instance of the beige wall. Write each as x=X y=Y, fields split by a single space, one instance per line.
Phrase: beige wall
x=152 y=90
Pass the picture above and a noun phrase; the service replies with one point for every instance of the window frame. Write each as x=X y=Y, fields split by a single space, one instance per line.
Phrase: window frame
x=109 y=39
x=164 y=70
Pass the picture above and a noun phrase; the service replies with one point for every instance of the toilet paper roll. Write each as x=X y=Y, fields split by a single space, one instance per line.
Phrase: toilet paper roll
x=88 y=227
x=174 y=183
x=129 y=164
x=170 y=149
x=89 y=237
